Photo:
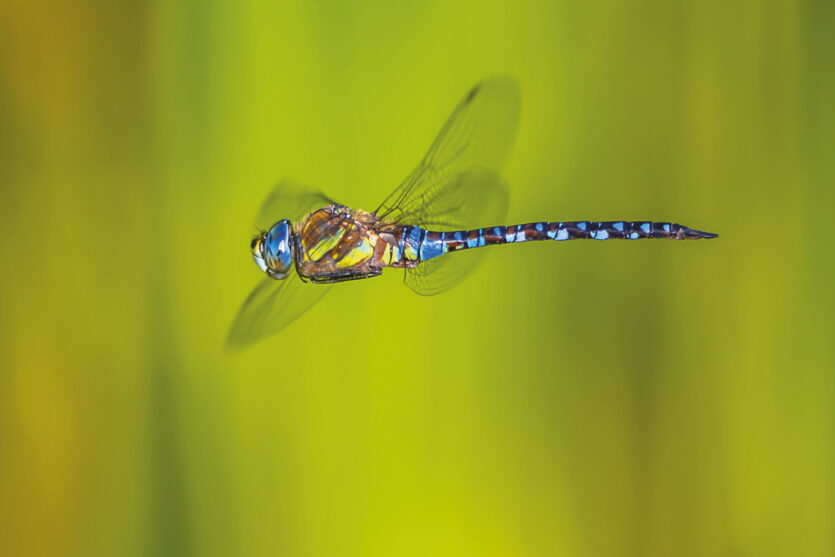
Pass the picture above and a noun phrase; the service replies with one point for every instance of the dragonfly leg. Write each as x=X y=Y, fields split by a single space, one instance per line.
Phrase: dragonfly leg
x=345 y=275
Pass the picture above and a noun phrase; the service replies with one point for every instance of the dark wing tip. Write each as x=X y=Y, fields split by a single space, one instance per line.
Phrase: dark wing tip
x=473 y=92
x=238 y=339
x=504 y=82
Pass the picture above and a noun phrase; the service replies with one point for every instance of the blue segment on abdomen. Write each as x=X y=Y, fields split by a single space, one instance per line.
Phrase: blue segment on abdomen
x=474 y=242
x=415 y=235
x=431 y=247
x=599 y=234
x=412 y=238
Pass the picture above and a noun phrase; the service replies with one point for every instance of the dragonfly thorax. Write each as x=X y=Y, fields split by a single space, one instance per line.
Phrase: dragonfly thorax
x=273 y=250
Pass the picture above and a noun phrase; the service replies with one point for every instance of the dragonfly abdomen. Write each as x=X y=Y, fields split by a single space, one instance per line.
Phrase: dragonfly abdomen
x=421 y=245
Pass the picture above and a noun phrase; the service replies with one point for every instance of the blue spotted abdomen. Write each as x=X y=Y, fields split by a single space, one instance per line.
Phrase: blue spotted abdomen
x=418 y=244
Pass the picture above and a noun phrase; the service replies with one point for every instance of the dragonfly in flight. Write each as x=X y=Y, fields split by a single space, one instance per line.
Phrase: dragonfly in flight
x=415 y=228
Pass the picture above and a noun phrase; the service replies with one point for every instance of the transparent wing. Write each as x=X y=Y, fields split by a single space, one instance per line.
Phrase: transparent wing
x=478 y=135
x=439 y=275
x=480 y=197
x=458 y=183
x=271 y=306
x=274 y=304
x=290 y=200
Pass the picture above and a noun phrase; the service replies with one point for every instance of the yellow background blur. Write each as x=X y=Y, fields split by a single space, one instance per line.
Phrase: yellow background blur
x=579 y=399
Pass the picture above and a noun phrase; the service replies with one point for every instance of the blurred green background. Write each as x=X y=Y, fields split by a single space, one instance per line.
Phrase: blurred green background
x=578 y=399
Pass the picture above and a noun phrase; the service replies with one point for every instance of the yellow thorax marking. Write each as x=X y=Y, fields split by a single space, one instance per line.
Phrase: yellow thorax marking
x=363 y=252
x=323 y=246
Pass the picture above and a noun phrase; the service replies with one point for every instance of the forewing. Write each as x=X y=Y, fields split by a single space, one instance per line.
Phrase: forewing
x=458 y=184
x=274 y=304
x=290 y=200
x=271 y=306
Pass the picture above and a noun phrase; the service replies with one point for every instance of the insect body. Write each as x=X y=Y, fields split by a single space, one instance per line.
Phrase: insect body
x=457 y=184
x=335 y=243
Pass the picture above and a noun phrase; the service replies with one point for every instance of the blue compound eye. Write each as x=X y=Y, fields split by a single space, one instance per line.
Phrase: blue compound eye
x=278 y=250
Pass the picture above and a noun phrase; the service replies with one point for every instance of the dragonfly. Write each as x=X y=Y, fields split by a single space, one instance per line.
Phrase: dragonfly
x=418 y=227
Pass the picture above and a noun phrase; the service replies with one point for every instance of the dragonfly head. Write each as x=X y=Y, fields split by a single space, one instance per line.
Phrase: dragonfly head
x=273 y=250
